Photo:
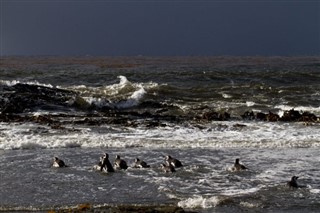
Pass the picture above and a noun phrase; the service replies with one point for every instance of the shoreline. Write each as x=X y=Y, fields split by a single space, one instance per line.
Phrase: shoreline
x=105 y=208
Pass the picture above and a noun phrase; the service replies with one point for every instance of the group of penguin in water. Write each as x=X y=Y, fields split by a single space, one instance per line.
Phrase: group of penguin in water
x=169 y=166
x=105 y=165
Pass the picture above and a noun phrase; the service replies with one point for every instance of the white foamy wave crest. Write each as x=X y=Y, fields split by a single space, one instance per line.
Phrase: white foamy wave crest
x=124 y=94
x=249 y=204
x=226 y=95
x=99 y=102
x=110 y=91
x=133 y=100
x=315 y=191
x=14 y=82
x=232 y=192
x=19 y=137
x=283 y=108
x=126 y=87
x=260 y=135
x=201 y=202
x=122 y=88
x=123 y=80
x=250 y=103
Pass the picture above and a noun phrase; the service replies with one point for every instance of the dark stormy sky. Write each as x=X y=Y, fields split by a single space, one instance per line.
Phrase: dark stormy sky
x=160 y=27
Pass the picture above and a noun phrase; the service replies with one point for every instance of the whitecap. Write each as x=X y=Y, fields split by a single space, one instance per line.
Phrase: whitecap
x=123 y=80
x=133 y=100
x=226 y=95
x=15 y=82
x=232 y=192
x=250 y=103
x=249 y=205
x=315 y=191
x=201 y=202
x=298 y=108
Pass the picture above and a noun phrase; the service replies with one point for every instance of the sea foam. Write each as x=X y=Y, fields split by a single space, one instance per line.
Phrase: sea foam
x=259 y=135
x=201 y=202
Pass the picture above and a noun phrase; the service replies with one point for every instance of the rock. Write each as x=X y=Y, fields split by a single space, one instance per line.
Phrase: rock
x=215 y=116
x=308 y=117
x=248 y=115
x=291 y=115
x=28 y=98
x=272 y=117
x=261 y=116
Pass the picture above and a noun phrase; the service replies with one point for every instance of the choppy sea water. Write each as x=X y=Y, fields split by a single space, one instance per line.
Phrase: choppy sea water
x=151 y=107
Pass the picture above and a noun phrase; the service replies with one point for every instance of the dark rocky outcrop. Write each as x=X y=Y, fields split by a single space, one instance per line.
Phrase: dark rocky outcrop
x=22 y=98
x=308 y=117
x=288 y=116
x=215 y=116
x=291 y=115
x=272 y=117
x=261 y=116
x=248 y=115
x=124 y=209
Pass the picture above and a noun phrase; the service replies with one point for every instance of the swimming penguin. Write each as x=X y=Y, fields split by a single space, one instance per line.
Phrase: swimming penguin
x=172 y=161
x=237 y=166
x=58 y=162
x=101 y=161
x=106 y=165
x=119 y=163
x=167 y=168
x=99 y=165
x=140 y=164
x=293 y=182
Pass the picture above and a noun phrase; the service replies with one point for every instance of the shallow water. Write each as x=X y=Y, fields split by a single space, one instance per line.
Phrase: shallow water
x=204 y=183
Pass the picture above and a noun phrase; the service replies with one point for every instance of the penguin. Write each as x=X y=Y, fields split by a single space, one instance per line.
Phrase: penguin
x=119 y=163
x=140 y=164
x=174 y=162
x=58 y=162
x=105 y=164
x=167 y=168
x=293 y=182
x=99 y=166
x=237 y=166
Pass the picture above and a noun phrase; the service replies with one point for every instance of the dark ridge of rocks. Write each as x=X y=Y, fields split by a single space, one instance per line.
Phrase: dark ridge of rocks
x=41 y=90
x=288 y=116
x=272 y=117
x=214 y=116
x=291 y=115
x=150 y=120
x=260 y=116
x=124 y=209
x=22 y=98
x=308 y=117
x=249 y=115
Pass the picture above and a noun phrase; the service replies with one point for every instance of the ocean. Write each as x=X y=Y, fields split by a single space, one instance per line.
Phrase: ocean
x=204 y=111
